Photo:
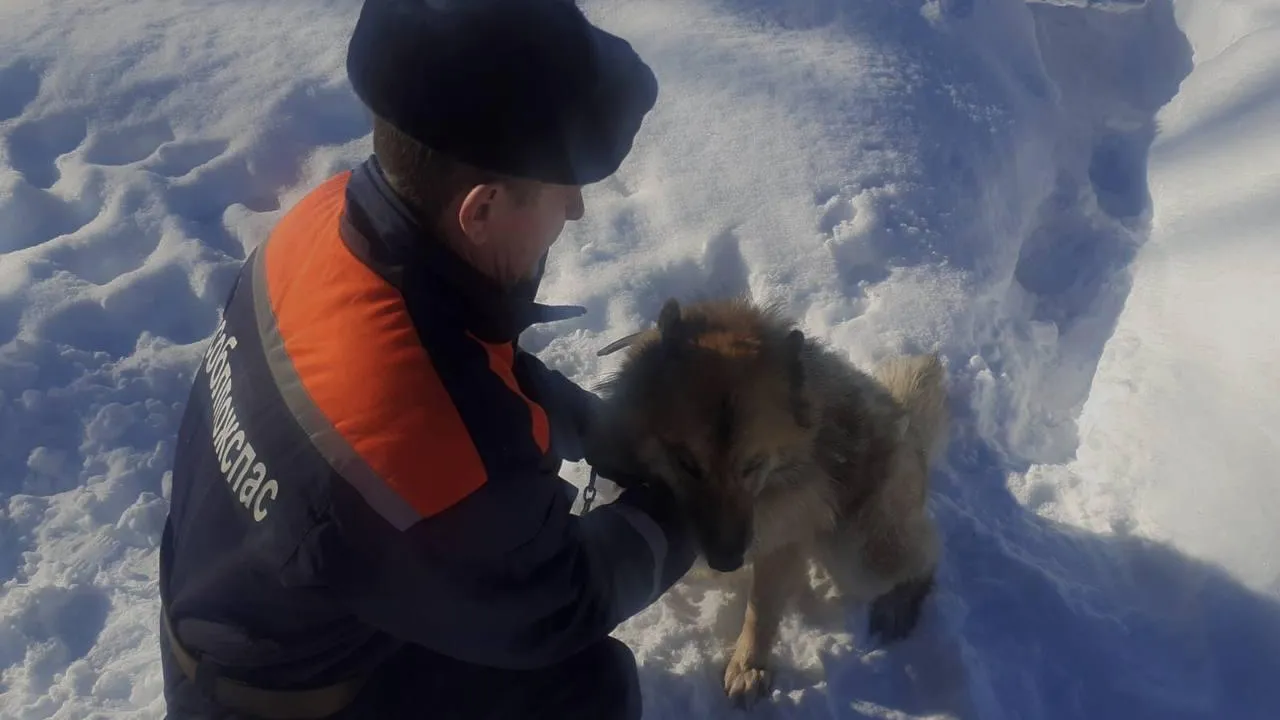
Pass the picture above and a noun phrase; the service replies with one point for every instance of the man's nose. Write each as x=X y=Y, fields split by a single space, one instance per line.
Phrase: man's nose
x=576 y=206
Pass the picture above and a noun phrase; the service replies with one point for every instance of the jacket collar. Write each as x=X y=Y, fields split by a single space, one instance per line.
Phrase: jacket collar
x=413 y=259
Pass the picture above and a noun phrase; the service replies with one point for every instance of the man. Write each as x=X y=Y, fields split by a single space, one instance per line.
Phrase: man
x=366 y=517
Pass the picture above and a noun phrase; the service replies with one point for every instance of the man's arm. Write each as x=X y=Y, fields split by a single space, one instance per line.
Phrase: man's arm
x=570 y=407
x=583 y=421
x=507 y=577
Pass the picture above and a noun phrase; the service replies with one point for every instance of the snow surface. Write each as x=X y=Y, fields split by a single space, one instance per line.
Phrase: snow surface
x=1075 y=202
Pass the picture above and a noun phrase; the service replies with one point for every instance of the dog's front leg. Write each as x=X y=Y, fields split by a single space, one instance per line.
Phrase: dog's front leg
x=775 y=579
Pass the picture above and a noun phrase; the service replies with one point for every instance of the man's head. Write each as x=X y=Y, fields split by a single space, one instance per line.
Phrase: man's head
x=500 y=224
x=492 y=115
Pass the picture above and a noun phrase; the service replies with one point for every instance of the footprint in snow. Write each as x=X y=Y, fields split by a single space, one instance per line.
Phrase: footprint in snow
x=21 y=83
x=36 y=145
x=176 y=159
x=158 y=300
x=127 y=144
x=72 y=616
x=31 y=215
x=124 y=226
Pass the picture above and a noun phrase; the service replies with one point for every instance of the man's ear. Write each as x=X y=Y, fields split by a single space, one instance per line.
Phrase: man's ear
x=475 y=211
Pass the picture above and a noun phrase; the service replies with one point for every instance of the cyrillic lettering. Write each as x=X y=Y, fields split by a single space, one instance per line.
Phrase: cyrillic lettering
x=219 y=356
x=259 y=512
x=220 y=440
x=243 y=462
x=215 y=347
x=243 y=472
x=222 y=384
x=222 y=415
x=223 y=457
x=252 y=483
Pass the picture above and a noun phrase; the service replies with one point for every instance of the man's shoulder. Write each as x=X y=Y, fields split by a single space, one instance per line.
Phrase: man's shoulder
x=352 y=367
x=398 y=397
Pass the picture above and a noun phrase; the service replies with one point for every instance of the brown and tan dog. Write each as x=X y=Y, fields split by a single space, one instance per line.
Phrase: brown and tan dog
x=782 y=452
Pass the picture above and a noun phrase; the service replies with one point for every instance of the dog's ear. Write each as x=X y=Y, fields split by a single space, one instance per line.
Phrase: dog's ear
x=671 y=325
x=794 y=347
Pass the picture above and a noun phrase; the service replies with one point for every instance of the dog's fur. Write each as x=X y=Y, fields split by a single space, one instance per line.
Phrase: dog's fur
x=782 y=452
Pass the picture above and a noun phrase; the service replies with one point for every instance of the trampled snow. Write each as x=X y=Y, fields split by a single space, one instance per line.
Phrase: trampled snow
x=1075 y=202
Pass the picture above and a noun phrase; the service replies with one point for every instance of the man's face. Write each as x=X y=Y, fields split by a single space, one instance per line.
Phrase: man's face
x=508 y=230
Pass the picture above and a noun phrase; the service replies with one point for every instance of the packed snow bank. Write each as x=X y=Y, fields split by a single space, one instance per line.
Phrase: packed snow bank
x=1181 y=434
x=968 y=175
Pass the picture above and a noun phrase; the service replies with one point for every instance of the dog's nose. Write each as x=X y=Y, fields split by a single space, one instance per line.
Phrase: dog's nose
x=724 y=562
x=724 y=538
x=727 y=556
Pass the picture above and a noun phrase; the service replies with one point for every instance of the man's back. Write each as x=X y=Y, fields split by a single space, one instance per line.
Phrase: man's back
x=250 y=494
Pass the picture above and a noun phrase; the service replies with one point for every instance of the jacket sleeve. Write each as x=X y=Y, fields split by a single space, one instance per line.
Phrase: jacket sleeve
x=508 y=577
x=578 y=417
x=570 y=406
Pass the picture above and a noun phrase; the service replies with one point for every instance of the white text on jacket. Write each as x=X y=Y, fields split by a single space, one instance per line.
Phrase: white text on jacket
x=236 y=456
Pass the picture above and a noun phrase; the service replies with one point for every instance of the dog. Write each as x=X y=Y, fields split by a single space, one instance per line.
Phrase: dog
x=780 y=451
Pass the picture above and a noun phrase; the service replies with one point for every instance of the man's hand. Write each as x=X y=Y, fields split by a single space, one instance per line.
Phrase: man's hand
x=582 y=426
x=609 y=451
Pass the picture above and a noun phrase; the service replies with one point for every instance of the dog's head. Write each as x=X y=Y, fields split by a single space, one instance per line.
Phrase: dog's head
x=713 y=401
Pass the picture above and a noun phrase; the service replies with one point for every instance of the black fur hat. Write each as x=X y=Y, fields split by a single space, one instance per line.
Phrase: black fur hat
x=528 y=88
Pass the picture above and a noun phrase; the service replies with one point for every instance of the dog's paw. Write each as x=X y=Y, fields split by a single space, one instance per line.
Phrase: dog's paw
x=746 y=681
x=894 y=615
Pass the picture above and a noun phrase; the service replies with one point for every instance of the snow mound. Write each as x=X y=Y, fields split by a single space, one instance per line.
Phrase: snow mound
x=969 y=176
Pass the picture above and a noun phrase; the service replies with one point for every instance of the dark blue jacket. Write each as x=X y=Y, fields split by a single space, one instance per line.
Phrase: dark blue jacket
x=367 y=459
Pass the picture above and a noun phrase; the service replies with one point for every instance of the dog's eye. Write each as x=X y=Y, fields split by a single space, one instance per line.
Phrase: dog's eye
x=753 y=465
x=688 y=465
x=686 y=461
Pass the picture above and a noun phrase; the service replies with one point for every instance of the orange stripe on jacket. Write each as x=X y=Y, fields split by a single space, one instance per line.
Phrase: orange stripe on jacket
x=357 y=353
x=502 y=362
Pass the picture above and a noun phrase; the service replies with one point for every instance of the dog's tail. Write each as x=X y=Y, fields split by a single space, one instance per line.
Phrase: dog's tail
x=918 y=383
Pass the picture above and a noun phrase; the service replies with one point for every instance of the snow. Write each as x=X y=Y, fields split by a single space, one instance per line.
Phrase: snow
x=1074 y=201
